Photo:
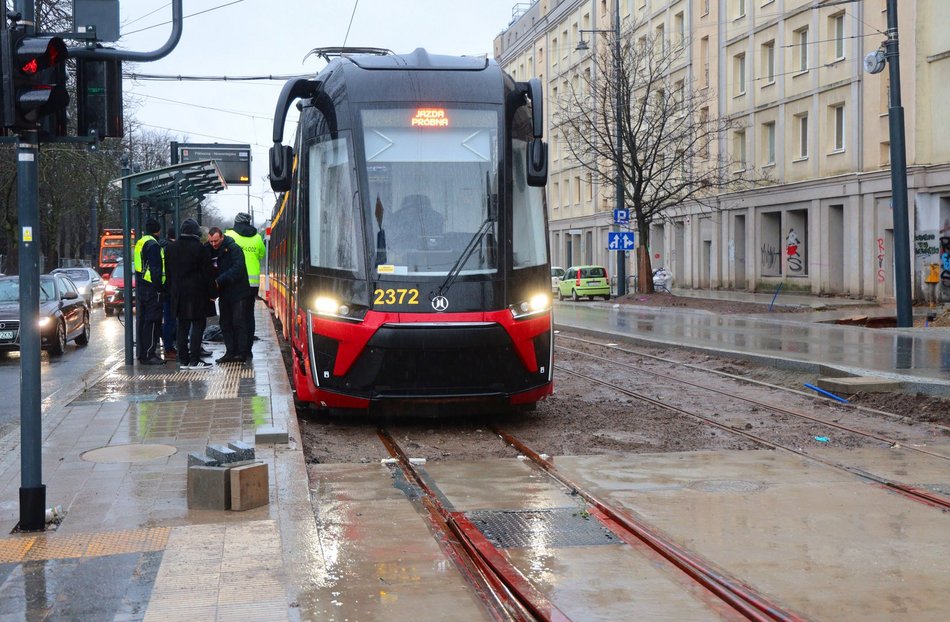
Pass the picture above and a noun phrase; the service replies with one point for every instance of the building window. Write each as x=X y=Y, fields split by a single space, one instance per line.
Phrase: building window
x=705 y=7
x=769 y=130
x=739 y=74
x=679 y=23
x=739 y=147
x=740 y=8
x=768 y=61
x=838 y=121
x=704 y=59
x=801 y=49
x=837 y=33
x=803 y=136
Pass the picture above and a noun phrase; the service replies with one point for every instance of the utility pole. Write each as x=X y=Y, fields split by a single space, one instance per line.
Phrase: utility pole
x=895 y=119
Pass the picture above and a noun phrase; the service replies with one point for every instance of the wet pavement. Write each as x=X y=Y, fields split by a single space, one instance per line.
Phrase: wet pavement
x=353 y=542
x=918 y=358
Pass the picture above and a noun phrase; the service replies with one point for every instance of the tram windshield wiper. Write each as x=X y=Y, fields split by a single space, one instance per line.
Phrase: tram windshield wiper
x=466 y=253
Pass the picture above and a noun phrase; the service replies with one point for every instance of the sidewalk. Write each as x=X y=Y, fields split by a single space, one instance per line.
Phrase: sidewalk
x=115 y=459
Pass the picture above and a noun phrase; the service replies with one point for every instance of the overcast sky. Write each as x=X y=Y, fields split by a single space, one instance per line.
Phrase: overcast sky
x=271 y=37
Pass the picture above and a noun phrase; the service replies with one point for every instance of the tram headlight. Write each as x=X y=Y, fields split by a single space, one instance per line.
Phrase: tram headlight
x=537 y=304
x=331 y=307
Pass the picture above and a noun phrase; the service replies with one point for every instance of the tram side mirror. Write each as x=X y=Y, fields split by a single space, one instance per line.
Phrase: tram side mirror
x=281 y=162
x=537 y=165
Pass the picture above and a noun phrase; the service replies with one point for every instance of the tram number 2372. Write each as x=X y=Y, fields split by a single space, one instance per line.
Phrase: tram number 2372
x=396 y=296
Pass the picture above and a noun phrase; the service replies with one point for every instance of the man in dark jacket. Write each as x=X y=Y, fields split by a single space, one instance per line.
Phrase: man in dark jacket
x=188 y=263
x=234 y=296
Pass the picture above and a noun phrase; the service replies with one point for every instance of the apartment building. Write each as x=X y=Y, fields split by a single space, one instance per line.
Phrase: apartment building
x=809 y=116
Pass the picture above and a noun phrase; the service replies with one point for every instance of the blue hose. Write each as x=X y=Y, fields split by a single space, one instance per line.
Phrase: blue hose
x=826 y=393
x=775 y=296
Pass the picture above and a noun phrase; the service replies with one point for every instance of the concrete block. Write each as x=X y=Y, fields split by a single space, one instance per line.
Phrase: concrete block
x=243 y=450
x=270 y=435
x=250 y=487
x=196 y=459
x=209 y=488
x=221 y=453
x=855 y=384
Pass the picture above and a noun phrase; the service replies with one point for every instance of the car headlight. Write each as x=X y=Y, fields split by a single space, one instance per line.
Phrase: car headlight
x=44 y=321
x=331 y=307
x=537 y=304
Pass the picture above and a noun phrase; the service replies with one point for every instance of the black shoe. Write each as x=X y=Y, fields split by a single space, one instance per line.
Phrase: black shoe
x=227 y=358
x=239 y=358
x=153 y=361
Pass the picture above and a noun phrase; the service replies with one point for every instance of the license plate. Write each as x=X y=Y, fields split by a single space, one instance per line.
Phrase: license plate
x=593 y=283
x=7 y=334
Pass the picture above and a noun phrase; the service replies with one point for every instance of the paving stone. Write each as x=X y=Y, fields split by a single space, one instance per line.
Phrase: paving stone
x=222 y=454
x=196 y=459
x=209 y=488
x=270 y=435
x=249 y=486
x=243 y=450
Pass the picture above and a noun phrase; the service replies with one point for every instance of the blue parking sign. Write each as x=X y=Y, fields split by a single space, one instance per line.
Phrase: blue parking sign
x=621 y=216
x=621 y=240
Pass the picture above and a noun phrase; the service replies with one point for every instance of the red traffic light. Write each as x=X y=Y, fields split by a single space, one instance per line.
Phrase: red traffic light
x=35 y=54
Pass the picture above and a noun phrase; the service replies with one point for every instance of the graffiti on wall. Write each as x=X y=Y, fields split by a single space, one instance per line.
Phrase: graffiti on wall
x=880 y=260
x=770 y=256
x=945 y=261
x=792 y=242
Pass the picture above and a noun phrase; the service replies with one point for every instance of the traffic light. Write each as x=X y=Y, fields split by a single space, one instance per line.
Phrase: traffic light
x=34 y=82
x=99 y=97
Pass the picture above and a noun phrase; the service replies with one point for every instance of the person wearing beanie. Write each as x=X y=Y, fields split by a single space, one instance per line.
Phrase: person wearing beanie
x=234 y=295
x=190 y=278
x=252 y=244
x=149 y=265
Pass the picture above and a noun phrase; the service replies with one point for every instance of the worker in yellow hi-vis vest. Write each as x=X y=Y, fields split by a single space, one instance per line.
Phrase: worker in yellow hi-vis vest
x=252 y=244
x=930 y=284
x=149 y=262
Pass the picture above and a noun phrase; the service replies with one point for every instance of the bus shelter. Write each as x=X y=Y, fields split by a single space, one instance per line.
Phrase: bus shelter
x=161 y=193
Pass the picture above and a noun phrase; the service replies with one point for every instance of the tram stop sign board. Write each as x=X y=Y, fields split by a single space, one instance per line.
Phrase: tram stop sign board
x=234 y=161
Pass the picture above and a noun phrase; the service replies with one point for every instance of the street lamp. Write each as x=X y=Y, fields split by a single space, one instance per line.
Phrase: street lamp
x=618 y=119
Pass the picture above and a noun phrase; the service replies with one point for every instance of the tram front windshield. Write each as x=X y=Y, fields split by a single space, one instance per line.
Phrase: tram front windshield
x=433 y=190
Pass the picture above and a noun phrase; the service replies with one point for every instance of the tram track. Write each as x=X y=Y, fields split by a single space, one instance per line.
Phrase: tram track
x=513 y=593
x=911 y=492
x=743 y=379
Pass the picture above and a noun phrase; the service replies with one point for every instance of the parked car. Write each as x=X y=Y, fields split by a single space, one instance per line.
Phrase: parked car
x=64 y=314
x=587 y=281
x=557 y=274
x=115 y=290
x=90 y=285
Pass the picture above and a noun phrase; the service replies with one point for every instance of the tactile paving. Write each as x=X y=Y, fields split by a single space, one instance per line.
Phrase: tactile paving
x=556 y=527
x=53 y=546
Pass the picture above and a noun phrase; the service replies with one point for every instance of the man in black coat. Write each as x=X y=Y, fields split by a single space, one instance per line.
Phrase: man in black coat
x=188 y=263
x=234 y=296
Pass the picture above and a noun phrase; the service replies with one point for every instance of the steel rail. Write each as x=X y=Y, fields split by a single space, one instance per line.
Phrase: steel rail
x=741 y=597
x=921 y=496
x=508 y=585
x=781 y=409
x=811 y=396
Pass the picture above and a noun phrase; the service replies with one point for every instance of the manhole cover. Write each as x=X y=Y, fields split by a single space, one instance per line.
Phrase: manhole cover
x=128 y=453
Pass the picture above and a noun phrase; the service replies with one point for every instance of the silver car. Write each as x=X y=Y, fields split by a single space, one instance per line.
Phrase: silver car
x=87 y=281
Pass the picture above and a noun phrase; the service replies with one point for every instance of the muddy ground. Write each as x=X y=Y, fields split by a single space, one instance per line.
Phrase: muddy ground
x=585 y=418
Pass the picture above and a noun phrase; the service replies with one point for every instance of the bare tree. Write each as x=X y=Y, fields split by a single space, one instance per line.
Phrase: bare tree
x=665 y=145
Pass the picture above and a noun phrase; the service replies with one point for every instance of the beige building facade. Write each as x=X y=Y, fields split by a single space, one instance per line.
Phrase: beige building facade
x=809 y=116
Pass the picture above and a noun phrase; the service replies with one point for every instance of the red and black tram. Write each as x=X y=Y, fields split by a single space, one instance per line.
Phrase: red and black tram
x=408 y=259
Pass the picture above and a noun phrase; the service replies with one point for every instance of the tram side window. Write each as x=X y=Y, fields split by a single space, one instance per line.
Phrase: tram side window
x=527 y=210
x=334 y=219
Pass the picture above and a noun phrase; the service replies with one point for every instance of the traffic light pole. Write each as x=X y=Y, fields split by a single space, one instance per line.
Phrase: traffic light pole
x=32 y=489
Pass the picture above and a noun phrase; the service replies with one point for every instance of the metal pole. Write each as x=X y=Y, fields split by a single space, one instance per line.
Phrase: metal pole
x=127 y=260
x=895 y=118
x=32 y=489
x=618 y=189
